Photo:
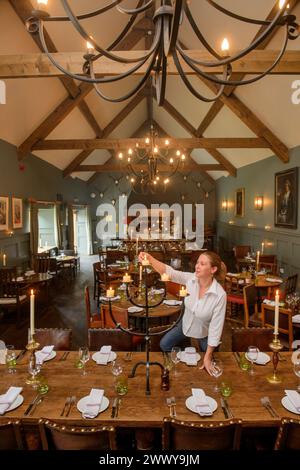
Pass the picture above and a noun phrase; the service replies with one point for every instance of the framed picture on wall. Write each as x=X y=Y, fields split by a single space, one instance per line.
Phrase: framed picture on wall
x=240 y=202
x=286 y=198
x=17 y=212
x=4 y=204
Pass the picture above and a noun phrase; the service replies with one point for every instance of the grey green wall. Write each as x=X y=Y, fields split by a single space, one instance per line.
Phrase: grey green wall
x=258 y=180
x=39 y=180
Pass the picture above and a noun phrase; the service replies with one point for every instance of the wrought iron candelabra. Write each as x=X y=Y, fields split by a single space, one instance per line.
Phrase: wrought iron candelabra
x=142 y=301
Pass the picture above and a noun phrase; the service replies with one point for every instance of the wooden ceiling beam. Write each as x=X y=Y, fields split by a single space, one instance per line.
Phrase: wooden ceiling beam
x=39 y=66
x=162 y=168
x=209 y=117
x=122 y=144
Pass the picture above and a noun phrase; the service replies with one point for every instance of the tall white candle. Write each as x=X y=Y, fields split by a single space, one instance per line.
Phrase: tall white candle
x=257 y=260
x=4 y=260
x=276 y=313
x=262 y=248
x=110 y=292
x=32 y=312
x=137 y=246
x=141 y=272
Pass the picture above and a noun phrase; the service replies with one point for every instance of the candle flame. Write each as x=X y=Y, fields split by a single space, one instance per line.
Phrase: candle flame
x=225 y=45
x=31 y=292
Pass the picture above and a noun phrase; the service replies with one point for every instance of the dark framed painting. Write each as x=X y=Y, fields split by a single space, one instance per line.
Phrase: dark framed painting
x=4 y=204
x=286 y=198
x=239 y=202
x=17 y=212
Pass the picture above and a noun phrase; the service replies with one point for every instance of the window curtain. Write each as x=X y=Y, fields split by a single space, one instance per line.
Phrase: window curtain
x=70 y=228
x=89 y=230
x=58 y=226
x=34 y=230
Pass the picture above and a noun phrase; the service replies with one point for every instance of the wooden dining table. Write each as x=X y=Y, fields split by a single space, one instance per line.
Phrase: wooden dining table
x=141 y=411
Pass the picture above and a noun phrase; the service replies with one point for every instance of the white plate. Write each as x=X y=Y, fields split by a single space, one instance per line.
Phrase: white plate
x=273 y=279
x=172 y=302
x=190 y=403
x=50 y=356
x=112 y=356
x=288 y=405
x=83 y=401
x=134 y=309
x=261 y=360
x=18 y=401
x=181 y=356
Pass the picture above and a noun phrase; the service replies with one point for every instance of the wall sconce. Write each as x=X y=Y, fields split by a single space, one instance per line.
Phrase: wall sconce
x=259 y=203
x=268 y=227
x=251 y=225
x=231 y=222
x=225 y=205
x=113 y=201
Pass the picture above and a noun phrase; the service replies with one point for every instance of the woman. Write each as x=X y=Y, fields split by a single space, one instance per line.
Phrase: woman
x=205 y=306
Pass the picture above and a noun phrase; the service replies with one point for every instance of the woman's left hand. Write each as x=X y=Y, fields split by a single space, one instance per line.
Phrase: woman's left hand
x=207 y=364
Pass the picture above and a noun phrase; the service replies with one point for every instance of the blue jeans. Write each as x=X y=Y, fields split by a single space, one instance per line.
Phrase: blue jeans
x=176 y=336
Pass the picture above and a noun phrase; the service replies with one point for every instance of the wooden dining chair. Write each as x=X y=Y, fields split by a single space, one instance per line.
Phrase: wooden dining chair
x=117 y=339
x=41 y=263
x=12 y=296
x=251 y=314
x=11 y=435
x=58 y=436
x=155 y=339
x=290 y=285
x=93 y=320
x=61 y=338
x=242 y=338
x=285 y=325
x=288 y=437
x=233 y=285
x=218 y=435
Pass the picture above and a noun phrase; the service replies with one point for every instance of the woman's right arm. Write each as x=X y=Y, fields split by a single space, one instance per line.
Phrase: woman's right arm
x=156 y=265
x=175 y=276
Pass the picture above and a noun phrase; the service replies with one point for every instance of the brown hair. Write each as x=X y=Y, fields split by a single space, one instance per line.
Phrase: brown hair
x=216 y=261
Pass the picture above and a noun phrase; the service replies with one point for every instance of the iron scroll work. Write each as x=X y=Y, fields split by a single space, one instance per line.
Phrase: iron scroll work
x=146 y=334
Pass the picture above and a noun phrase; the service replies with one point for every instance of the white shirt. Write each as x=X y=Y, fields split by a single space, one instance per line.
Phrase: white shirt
x=202 y=317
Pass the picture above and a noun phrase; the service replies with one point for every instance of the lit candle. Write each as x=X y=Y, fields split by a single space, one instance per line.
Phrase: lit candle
x=141 y=272
x=145 y=261
x=276 y=313
x=183 y=292
x=127 y=278
x=110 y=292
x=31 y=313
x=137 y=246
x=257 y=260
x=131 y=232
x=186 y=234
x=164 y=277
x=262 y=248
x=4 y=260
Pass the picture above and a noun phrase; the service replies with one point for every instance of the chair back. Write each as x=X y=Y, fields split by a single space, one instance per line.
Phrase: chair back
x=250 y=302
x=120 y=315
x=221 y=435
x=155 y=339
x=234 y=285
x=61 y=338
x=58 y=436
x=95 y=320
x=8 y=288
x=117 y=339
x=242 y=338
x=11 y=435
x=290 y=285
x=42 y=263
x=240 y=251
x=114 y=255
x=285 y=325
x=172 y=287
x=288 y=437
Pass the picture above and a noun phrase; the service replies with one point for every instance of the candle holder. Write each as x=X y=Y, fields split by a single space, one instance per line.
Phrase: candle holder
x=32 y=346
x=275 y=346
x=142 y=301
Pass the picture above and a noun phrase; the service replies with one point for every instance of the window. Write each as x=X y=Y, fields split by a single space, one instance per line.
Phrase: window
x=47 y=227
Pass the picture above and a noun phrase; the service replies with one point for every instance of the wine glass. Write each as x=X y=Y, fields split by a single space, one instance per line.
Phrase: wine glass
x=217 y=371
x=297 y=372
x=116 y=368
x=11 y=360
x=34 y=369
x=84 y=356
x=252 y=354
x=175 y=356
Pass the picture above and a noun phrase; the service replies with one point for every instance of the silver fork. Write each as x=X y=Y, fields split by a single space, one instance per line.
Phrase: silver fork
x=72 y=403
x=170 y=405
x=173 y=401
x=67 y=402
x=265 y=401
x=128 y=356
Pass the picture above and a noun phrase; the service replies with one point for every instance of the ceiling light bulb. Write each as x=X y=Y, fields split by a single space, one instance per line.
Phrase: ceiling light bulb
x=90 y=47
x=129 y=151
x=155 y=150
x=42 y=2
x=147 y=140
x=129 y=159
x=166 y=181
x=120 y=155
x=167 y=142
x=183 y=157
x=171 y=160
x=132 y=180
x=225 y=45
x=154 y=182
x=178 y=153
x=157 y=178
x=137 y=145
x=281 y=4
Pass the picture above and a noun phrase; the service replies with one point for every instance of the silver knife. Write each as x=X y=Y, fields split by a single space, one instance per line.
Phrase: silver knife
x=237 y=358
x=114 y=408
x=21 y=354
x=31 y=404
x=225 y=411
x=41 y=398
x=230 y=414
x=117 y=406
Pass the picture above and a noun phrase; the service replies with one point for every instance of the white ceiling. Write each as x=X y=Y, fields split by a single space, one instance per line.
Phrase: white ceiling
x=29 y=101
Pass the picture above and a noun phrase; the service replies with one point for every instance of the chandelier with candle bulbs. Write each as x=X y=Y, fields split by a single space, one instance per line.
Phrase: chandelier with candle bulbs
x=151 y=168
x=169 y=16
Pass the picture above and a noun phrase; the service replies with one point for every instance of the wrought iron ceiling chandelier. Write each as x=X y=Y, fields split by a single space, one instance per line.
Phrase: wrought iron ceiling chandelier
x=151 y=168
x=167 y=20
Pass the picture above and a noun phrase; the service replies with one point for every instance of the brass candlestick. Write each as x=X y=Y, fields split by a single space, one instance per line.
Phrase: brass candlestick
x=32 y=346
x=275 y=346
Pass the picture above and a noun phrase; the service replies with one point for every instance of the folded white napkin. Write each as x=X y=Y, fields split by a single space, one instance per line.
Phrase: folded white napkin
x=42 y=355
x=93 y=404
x=294 y=398
x=134 y=309
x=3 y=356
x=103 y=356
x=158 y=291
x=273 y=279
x=202 y=405
x=172 y=302
x=190 y=356
x=8 y=398
x=29 y=273
x=296 y=318
x=117 y=297
x=232 y=274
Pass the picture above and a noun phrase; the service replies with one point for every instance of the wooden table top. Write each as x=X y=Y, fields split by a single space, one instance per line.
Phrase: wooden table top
x=140 y=410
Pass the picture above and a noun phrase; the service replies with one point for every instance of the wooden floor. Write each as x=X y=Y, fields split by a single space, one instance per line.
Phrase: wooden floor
x=66 y=309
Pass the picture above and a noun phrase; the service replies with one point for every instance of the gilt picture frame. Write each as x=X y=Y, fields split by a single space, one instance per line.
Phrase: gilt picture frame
x=17 y=212
x=4 y=207
x=239 y=206
x=286 y=198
